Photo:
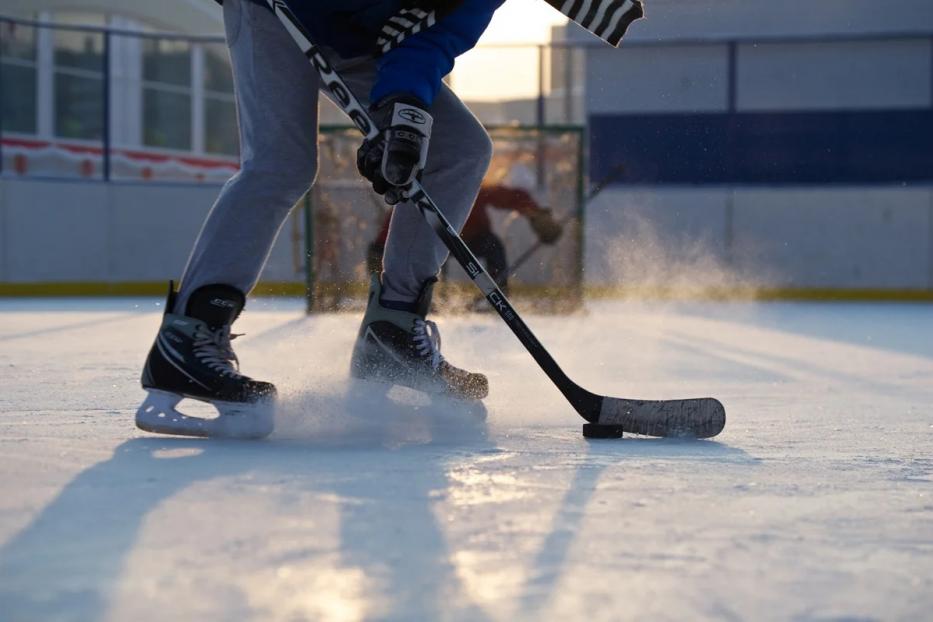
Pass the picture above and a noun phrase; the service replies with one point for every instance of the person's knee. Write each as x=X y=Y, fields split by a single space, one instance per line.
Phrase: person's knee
x=278 y=188
x=295 y=179
x=467 y=156
x=478 y=150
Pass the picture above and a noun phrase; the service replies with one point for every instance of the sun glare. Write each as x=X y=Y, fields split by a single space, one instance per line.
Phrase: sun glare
x=490 y=73
x=522 y=21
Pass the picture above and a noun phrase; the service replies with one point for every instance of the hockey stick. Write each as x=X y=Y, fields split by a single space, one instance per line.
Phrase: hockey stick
x=606 y=416
x=615 y=174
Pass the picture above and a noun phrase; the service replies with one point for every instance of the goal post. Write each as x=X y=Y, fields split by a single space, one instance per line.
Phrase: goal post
x=344 y=219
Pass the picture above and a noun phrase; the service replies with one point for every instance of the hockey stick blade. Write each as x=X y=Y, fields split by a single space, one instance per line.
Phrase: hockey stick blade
x=692 y=418
x=698 y=418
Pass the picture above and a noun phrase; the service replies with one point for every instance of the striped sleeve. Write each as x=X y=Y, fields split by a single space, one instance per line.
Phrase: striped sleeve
x=607 y=19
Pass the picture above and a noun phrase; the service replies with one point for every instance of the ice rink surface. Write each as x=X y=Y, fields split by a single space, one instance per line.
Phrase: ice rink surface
x=816 y=502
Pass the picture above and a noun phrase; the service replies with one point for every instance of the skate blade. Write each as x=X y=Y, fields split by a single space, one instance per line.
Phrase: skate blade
x=375 y=390
x=429 y=389
x=235 y=419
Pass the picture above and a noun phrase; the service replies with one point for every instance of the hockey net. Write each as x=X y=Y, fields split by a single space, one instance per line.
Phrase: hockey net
x=344 y=217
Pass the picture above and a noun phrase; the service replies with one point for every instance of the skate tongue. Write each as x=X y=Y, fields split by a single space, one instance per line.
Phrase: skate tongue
x=423 y=303
x=215 y=305
x=420 y=307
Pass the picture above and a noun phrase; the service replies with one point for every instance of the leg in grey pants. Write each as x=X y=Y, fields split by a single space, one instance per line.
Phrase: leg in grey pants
x=277 y=98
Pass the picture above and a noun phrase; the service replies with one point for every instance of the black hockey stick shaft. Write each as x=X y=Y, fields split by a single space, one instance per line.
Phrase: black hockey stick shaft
x=616 y=173
x=585 y=403
x=702 y=417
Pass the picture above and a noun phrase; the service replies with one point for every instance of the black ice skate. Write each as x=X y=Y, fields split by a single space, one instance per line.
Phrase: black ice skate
x=401 y=347
x=192 y=358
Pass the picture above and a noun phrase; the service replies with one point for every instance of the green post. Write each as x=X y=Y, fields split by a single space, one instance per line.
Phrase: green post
x=310 y=275
x=581 y=210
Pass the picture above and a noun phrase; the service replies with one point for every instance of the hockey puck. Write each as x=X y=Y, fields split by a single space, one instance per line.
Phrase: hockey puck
x=594 y=430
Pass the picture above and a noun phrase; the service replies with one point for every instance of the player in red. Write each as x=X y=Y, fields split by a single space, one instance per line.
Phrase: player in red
x=478 y=233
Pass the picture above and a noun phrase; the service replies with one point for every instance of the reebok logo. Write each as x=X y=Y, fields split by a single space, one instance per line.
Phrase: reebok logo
x=410 y=114
x=224 y=304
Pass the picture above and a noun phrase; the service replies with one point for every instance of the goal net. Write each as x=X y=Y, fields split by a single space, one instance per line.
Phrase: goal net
x=345 y=224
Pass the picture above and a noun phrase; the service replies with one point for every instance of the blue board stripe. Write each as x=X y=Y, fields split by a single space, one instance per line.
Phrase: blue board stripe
x=834 y=147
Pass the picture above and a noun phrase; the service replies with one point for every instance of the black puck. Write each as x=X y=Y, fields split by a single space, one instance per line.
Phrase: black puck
x=594 y=430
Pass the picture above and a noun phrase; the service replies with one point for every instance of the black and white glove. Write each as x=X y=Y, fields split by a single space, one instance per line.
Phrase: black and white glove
x=397 y=156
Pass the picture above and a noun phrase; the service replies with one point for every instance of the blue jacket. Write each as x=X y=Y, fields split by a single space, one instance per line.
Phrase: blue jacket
x=417 y=65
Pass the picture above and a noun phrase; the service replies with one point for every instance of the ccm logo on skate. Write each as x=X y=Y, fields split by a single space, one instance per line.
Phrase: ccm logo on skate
x=410 y=114
x=220 y=302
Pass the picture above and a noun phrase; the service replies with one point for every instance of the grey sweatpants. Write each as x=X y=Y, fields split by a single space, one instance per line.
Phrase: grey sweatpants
x=277 y=101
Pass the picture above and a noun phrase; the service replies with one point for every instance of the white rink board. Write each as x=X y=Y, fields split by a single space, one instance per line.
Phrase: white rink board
x=871 y=238
x=815 y=503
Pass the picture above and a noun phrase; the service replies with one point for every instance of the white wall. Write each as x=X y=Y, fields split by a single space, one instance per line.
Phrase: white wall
x=835 y=75
x=848 y=237
x=60 y=231
x=680 y=19
x=842 y=75
x=657 y=79
x=858 y=238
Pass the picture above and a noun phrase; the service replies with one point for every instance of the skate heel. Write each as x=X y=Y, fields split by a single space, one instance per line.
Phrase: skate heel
x=241 y=420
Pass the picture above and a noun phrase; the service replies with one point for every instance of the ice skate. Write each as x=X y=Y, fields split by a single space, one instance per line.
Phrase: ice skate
x=192 y=358
x=401 y=347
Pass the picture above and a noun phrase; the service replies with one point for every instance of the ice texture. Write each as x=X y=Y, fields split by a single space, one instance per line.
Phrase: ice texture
x=816 y=502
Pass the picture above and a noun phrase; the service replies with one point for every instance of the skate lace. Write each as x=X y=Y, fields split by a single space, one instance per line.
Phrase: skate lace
x=213 y=348
x=428 y=341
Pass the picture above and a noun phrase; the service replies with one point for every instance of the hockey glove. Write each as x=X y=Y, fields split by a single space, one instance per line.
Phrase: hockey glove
x=397 y=156
x=545 y=227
